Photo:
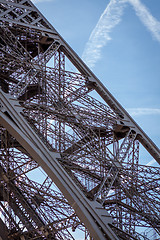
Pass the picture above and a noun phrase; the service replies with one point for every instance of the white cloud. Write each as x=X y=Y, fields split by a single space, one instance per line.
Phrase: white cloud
x=108 y=20
x=147 y=19
x=150 y=163
x=101 y=33
x=143 y=111
x=37 y=1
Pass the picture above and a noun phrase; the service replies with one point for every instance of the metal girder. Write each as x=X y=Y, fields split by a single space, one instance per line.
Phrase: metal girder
x=91 y=213
x=126 y=119
x=88 y=148
x=28 y=16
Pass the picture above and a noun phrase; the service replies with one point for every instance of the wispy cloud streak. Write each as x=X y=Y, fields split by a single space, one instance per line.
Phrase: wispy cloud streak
x=150 y=163
x=143 y=111
x=152 y=24
x=108 y=20
x=37 y=1
x=101 y=33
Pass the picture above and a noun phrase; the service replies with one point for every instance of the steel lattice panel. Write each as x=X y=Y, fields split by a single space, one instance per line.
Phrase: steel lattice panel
x=69 y=162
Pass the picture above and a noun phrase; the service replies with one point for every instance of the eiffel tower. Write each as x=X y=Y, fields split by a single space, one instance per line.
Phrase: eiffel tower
x=71 y=165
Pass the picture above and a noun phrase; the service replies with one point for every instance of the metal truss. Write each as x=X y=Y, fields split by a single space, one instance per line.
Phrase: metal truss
x=70 y=164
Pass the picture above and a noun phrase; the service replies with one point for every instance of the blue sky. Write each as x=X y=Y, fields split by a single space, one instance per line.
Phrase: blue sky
x=125 y=36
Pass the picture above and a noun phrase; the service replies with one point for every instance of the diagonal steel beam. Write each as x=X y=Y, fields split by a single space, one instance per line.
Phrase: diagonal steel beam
x=126 y=119
x=91 y=213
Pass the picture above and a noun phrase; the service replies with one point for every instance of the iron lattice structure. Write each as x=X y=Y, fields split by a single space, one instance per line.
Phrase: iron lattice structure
x=69 y=163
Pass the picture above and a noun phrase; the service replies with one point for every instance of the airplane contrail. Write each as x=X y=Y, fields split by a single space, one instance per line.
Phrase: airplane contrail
x=152 y=24
x=150 y=163
x=143 y=111
x=101 y=33
x=107 y=22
